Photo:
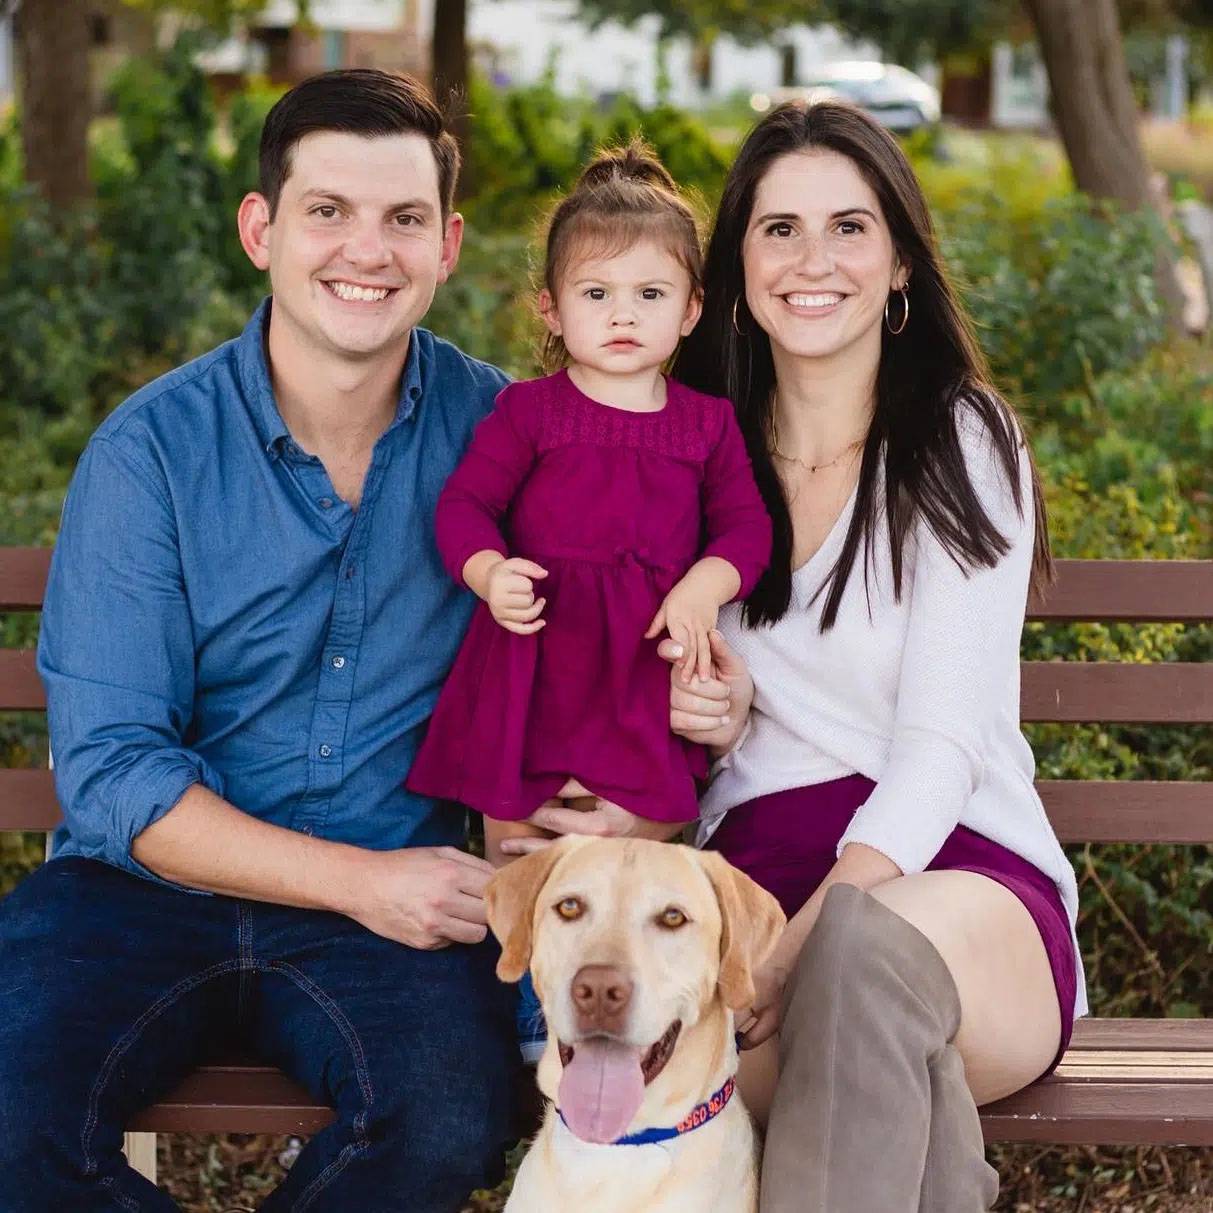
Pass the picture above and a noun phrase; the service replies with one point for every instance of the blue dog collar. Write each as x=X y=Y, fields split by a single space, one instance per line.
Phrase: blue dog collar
x=698 y=1116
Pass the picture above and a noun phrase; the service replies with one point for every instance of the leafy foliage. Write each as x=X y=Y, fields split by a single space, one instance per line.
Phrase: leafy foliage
x=530 y=143
x=910 y=33
x=1061 y=296
x=745 y=20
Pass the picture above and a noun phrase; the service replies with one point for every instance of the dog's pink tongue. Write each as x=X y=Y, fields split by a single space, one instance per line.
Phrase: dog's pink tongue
x=601 y=1089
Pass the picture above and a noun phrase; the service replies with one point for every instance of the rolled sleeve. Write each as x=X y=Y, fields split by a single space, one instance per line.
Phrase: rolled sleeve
x=960 y=659
x=116 y=655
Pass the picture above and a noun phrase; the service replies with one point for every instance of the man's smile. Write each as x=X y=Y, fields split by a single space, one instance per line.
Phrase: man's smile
x=353 y=292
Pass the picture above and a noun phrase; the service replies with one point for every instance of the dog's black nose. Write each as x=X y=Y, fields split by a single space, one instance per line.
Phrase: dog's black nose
x=601 y=995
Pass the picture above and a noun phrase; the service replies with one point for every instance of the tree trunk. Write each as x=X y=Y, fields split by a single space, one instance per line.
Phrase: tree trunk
x=701 y=60
x=1094 y=109
x=53 y=59
x=450 y=74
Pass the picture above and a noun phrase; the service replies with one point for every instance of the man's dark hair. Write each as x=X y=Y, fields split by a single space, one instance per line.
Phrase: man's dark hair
x=358 y=101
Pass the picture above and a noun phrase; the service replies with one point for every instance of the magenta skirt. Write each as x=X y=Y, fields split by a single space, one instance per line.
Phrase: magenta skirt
x=787 y=841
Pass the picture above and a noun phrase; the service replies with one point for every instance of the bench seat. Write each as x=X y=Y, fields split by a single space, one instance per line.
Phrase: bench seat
x=1122 y=1081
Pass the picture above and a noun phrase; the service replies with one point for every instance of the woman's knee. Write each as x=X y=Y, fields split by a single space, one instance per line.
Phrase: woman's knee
x=844 y=942
x=863 y=955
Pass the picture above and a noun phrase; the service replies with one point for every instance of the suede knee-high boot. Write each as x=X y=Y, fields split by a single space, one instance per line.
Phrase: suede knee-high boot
x=872 y=1113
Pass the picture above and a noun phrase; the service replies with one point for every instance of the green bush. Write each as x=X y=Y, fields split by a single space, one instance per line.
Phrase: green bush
x=487 y=306
x=98 y=302
x=1060 y=294
x=12 y=168
x=165 y=219
x=527 y=144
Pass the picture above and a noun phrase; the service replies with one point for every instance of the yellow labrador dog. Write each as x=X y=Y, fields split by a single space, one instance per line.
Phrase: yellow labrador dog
x=640 y=953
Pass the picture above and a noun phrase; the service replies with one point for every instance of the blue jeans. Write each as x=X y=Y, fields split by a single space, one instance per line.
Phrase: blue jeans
x=532 y=1026
x=112 y=988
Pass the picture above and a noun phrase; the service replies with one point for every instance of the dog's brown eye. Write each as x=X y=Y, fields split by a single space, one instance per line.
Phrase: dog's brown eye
x=570 y=909
x=672 y=918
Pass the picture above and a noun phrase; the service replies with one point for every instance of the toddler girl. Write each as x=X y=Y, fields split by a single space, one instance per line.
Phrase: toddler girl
x=595 y=509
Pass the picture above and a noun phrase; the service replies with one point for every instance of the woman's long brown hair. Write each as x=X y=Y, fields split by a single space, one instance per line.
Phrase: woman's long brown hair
x=926 y=373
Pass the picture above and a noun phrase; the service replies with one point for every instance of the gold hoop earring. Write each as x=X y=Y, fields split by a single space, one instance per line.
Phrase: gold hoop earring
x=905 y=318
x=736 y=326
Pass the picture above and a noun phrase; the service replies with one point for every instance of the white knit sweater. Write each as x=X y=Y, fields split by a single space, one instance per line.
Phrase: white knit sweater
x=920 y=695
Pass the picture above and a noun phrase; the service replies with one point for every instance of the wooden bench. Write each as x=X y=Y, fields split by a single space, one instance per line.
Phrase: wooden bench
x=1123 y=1081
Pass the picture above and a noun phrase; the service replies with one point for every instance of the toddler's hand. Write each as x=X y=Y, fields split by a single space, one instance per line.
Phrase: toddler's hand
x=688 y=614
x=511 y=597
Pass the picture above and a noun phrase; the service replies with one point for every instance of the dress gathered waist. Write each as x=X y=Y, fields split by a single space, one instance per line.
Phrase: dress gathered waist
x=622 y=557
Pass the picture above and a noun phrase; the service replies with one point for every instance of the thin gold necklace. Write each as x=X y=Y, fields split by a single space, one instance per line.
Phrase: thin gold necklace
x=814 y=467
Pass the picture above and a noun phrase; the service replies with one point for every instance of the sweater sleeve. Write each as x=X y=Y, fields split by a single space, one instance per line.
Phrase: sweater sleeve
x=737 y=526
x=961 y=652
x=478 y=493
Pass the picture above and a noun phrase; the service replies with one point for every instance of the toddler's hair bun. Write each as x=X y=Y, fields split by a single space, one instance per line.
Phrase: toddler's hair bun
x=634 y=161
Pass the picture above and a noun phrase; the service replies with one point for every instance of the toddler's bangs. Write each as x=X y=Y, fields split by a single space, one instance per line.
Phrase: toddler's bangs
x=590 y=236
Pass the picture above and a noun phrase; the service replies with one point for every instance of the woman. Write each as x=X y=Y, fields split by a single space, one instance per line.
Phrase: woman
x=871 y=771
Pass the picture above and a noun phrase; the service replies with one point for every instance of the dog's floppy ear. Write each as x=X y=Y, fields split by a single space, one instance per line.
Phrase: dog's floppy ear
x=751 y=922
x=510 y=903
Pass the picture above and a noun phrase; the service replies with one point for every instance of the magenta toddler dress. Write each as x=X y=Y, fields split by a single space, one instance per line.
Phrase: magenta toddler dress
x=616 y=506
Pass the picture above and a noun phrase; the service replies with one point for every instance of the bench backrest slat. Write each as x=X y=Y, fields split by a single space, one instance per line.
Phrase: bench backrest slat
x=1113 y=692
x=1128 y=591
x=21 y=689
x=1140 y=811
x=1062 y=691
x=1109 y=591
x=1080 y=810
x=23 y=578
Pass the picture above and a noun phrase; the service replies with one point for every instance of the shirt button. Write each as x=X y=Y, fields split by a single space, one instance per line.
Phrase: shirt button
x=326 y=503
x=338 y=662
x=415 y=392
x=326 y=751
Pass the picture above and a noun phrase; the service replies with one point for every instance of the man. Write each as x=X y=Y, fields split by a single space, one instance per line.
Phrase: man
x=245 y=631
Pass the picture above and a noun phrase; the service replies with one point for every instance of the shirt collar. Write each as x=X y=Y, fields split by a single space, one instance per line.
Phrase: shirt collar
x=253 y=362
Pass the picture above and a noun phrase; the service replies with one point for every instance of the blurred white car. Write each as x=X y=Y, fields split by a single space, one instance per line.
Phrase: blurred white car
x=893 y=95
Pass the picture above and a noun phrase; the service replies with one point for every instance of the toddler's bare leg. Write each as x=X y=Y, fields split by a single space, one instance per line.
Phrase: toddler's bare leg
x=575 y=795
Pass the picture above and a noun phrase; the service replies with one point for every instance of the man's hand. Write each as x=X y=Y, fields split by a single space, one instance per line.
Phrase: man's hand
x=710 y=711
x=511 y=595
x=424 y=897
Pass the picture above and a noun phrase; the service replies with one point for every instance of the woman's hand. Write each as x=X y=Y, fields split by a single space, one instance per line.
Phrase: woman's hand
x=604 y=820
x=761 y=1022
x=710 y=711
x=859 y=865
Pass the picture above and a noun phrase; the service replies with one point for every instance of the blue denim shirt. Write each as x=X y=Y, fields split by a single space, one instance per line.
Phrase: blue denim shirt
x=217 y=614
